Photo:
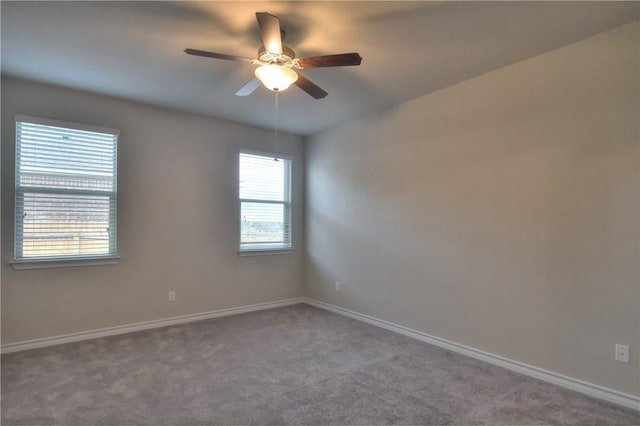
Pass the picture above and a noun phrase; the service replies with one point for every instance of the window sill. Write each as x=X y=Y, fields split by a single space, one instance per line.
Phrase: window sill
x=19 y=265
x=264 y=252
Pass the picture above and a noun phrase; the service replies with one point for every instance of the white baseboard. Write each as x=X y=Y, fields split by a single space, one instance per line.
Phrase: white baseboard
x=596 y=391
x=128 y=328
x=590 y=389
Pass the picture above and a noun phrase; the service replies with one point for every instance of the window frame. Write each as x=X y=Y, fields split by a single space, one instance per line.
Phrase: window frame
x=287 y=246
x=21 y=262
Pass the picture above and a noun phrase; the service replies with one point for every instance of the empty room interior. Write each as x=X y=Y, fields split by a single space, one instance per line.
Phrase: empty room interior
x=325 y=212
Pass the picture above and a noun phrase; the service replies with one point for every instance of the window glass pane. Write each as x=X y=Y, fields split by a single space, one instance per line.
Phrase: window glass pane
x=63 y=225
x=262 y=178
x=262 y=222
x=48 y=150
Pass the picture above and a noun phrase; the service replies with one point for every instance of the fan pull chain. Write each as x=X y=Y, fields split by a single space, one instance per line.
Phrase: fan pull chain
x=277 y=123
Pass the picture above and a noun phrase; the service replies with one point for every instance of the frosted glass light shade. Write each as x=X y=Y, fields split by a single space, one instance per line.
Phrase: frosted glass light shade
x=276 y=77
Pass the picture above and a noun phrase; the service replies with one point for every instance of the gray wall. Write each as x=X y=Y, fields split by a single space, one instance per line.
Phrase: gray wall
x=500 y=213
x=177 y=221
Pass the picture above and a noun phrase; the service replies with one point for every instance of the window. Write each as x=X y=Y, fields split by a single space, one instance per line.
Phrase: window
x=66 y=186
x=265 y=202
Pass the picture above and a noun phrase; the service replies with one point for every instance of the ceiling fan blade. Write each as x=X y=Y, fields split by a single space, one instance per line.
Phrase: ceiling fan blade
x=249 y=88
x=196 y=52
x=310 y=87
x=340 y=60
x=270 y=31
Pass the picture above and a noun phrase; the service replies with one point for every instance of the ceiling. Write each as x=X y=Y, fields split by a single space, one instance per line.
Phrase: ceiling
x=134 y=50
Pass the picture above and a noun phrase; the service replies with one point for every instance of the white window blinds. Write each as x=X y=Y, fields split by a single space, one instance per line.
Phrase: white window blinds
x=265 y=202
x=66 y=186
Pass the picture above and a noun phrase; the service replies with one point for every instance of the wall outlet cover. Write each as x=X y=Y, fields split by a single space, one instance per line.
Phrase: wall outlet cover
x=622 y=353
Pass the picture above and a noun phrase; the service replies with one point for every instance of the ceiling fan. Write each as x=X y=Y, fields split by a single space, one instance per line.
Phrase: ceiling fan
x=278 y=65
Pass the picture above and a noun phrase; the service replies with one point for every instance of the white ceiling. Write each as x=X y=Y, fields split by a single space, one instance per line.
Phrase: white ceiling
x=134 y=50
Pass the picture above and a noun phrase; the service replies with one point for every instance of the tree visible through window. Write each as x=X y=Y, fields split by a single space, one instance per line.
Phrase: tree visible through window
x=66 y=187
x=265 y=202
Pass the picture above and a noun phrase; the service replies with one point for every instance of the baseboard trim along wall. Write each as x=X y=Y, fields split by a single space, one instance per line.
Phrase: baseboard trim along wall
x=139 y=326
x=590 y=389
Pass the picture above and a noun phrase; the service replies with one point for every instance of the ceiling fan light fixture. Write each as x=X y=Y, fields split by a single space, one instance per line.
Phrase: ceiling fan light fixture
x=276 y=77
x=278 y=63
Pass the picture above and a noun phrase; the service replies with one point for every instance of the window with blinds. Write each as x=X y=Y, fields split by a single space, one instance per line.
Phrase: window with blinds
x=265 y=202
x=66 y=187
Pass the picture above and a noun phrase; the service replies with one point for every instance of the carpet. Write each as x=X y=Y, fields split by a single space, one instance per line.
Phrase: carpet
x=290 y=365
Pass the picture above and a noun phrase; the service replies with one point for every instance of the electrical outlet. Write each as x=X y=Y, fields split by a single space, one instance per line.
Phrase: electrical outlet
x=338 y=287
x=622 y=353
x=172 y=296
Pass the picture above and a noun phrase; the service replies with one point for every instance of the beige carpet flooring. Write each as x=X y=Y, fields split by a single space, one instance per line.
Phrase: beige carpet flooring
x=291 y=365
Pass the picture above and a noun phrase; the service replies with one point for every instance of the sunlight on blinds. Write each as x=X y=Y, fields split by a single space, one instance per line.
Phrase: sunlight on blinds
x=65 y=191
x=265 y=202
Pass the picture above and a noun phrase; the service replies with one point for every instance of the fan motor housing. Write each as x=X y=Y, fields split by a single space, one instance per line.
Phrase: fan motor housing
x=284 y=58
